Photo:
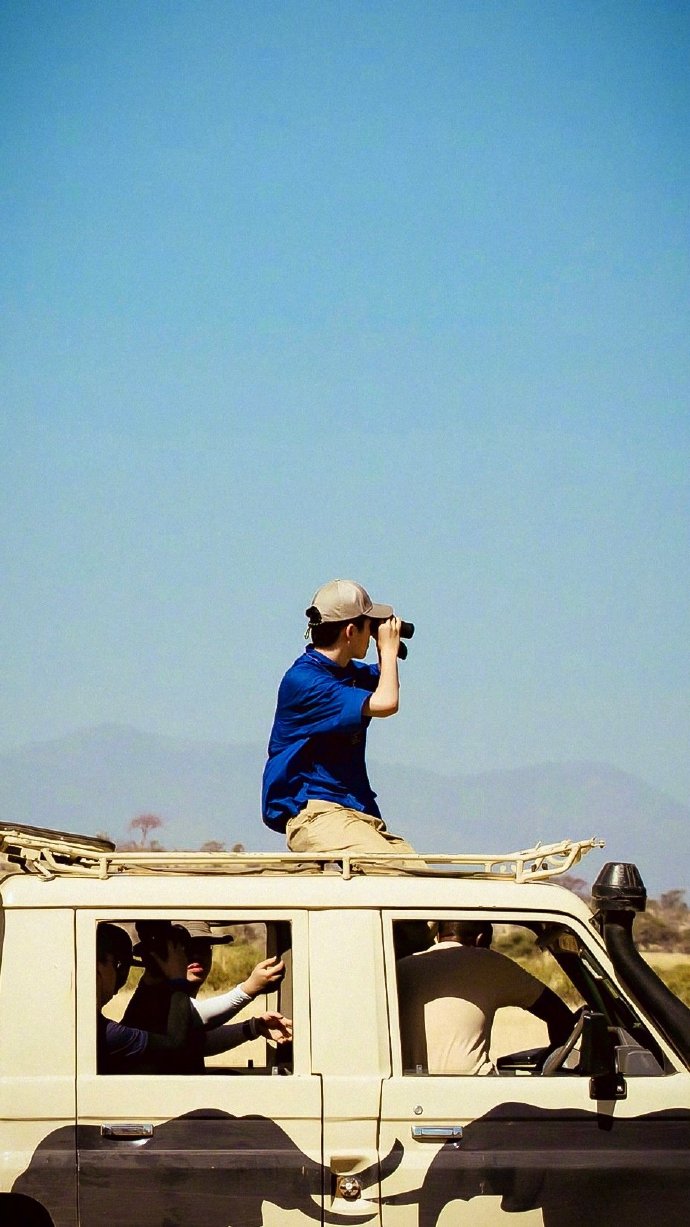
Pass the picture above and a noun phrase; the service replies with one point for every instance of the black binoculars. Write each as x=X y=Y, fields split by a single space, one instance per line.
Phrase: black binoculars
x=406 y=632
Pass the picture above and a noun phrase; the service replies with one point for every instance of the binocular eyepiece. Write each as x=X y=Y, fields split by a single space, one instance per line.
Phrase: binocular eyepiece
x=406 y=632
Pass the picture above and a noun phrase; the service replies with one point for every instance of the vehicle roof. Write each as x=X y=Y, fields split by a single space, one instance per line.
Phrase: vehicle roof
x=46 y=868
x=431 y=894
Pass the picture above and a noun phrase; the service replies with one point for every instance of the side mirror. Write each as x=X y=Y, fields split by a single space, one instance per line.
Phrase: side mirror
x=598 y=1058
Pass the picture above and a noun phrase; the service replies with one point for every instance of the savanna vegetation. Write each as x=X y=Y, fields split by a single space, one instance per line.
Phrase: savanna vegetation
x=662 y=935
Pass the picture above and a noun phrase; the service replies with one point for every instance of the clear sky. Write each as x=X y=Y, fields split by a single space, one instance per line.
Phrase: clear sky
x=390 y=290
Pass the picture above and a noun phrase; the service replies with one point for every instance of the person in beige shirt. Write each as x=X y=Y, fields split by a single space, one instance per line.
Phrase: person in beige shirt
x=448 y=996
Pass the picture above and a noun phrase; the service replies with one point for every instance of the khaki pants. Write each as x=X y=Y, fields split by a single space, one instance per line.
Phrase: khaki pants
x=323 y=826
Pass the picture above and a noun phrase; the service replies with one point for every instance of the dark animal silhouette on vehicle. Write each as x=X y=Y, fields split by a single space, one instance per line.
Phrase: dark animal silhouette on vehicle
x=203 y=1169
x=582 y=1169
x=210 y=1169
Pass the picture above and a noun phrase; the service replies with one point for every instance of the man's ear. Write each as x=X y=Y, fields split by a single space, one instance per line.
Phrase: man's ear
x=348 y=632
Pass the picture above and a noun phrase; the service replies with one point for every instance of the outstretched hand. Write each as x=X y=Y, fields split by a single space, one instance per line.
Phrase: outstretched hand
x=274 y=1027
x=266 y=975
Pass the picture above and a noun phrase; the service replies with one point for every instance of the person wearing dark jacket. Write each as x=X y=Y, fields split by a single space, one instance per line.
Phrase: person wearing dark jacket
x=122 y=1049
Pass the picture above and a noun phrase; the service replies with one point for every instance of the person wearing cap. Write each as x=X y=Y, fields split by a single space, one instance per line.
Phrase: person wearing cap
x=122 y=1049
x=316 y=788
x=208 y=1033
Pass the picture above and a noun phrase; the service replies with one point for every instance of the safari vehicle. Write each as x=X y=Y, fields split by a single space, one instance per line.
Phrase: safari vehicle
x=336 y=1130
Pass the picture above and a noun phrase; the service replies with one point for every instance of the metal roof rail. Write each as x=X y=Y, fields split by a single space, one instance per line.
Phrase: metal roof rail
x=51 y=854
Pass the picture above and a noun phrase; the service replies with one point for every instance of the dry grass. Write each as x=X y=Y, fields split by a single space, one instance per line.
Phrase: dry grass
x=232 y=964
x=674 y=970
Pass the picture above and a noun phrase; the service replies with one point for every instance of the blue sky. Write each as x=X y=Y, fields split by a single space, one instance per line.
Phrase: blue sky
x=390 y=290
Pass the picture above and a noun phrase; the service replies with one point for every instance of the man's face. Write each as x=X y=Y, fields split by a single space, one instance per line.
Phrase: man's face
x=199 y=960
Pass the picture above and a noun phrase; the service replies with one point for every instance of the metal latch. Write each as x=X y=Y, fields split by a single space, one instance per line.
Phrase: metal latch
x=437 y=1133
x=127 y=1133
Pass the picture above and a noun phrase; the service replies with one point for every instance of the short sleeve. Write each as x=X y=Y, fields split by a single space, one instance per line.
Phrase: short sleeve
x=323 y=706
x=517 y=986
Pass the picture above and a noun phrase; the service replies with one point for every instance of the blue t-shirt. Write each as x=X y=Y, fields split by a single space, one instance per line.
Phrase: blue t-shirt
x=318 y=740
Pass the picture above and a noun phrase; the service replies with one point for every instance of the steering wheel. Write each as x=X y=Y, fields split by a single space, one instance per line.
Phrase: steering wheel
x=556 y=1059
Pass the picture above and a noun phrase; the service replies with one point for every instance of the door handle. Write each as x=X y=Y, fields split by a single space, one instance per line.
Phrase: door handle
x=437 y=1133
x=127 y=1133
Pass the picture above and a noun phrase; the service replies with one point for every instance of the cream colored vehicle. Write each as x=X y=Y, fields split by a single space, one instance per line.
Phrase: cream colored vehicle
x=335 y=1129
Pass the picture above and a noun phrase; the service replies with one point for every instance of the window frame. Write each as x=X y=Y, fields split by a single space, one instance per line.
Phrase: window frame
x=86 y=923
x=595 y=961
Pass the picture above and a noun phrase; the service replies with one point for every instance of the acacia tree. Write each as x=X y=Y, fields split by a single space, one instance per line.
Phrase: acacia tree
x=146 y=823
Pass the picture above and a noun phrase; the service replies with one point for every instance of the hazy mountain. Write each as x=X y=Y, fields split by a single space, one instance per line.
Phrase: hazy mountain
x=101 y=778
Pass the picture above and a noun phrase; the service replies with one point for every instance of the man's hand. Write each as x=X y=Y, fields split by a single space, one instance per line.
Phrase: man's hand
x=174 y=965
x=384 y=700
x=388 y=636
x=274 y=1027
x=265 y=976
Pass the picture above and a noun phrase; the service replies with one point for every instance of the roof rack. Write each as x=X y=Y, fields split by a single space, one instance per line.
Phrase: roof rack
x=50 y=854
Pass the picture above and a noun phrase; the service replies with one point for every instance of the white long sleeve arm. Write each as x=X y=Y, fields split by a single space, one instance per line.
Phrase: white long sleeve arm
x=214 y=1011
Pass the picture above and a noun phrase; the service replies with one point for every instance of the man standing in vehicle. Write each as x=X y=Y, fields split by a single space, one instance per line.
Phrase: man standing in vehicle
x=315 y=785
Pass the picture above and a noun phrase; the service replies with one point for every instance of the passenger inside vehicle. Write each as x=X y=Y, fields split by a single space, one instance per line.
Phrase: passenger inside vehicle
x=123 y=1049
x=210 y=1033
x=449 y=994
x=452 y=1016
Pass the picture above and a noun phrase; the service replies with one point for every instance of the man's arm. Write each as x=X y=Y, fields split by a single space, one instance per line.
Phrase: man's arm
x=128 y=1045
x=271 y=1026
x=216 y=1010
x=385 y=699
x=555 y=1014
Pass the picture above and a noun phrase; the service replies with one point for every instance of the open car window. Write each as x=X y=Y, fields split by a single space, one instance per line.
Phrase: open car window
x=228 y=1033
x=475 y=1006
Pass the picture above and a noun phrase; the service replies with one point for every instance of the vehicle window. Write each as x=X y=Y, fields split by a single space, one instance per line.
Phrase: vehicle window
x=476 y=998
x=194 y=997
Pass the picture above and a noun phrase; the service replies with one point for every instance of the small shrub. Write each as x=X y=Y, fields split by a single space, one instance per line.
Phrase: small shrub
x=652 y=932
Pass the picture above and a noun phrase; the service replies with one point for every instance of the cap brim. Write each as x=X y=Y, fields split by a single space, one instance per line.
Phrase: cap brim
x=379 y=611
x=138 y=950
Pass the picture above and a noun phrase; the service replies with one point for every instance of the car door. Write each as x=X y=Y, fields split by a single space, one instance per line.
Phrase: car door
x=536 y=1149
x=240 y=1147
x=37 y=1065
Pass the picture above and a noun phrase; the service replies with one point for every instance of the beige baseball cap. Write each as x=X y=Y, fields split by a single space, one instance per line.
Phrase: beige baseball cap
x=341 y=600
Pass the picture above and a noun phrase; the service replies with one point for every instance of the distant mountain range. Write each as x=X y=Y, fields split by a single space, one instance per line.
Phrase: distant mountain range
x=101 y=778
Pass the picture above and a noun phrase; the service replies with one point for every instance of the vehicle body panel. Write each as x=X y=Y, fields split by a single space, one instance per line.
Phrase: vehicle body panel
x=246 y=1149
